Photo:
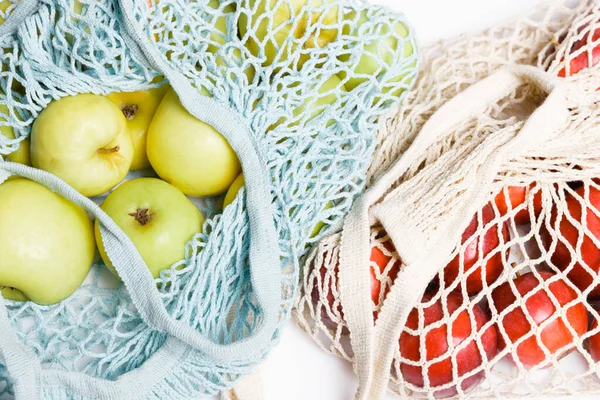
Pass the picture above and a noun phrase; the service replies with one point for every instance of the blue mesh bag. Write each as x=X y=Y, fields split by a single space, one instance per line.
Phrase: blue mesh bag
x=298 y=88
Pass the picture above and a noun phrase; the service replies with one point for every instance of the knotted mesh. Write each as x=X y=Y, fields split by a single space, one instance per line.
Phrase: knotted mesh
x=313 y=82
x=511 y=310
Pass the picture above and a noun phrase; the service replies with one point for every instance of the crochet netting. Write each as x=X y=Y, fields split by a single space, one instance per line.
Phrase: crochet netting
x=548 y=239
x=316 y=138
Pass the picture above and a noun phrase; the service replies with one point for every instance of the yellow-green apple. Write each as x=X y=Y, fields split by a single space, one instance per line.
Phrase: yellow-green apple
x=316 y=102
x=239 y=183
x=46 y=243
x=267 y=24
x=13 y=294
x=377 y=53
x=218 y=38
x=158 y=219
x=77 y=12
x=317 y=229
x=21 y=155
x=4 y=4
x=188 y=153
x=83 y=140
x=233 y=190
x=139 y=108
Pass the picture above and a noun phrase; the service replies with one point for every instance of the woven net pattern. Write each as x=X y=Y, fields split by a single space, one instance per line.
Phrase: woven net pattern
x=512 y=309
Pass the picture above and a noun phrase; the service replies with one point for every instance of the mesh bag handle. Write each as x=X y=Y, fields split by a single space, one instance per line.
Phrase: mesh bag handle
x=422 y=256
x=264 y=263
x=24 y=9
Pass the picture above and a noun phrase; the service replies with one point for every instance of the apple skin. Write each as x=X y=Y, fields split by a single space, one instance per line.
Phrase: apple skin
x=594 y=342
x=22 y=154
x=233 y=190
x=160 y=237
x=47 y=243
x=383 y=50
x=83 y=140
x=493 y=267
x=437 y=345
x=580 y=62
x=590 y=253
x=270 y=34
x=555 y=336
x=139 y=108
x=220 y=36
x=188 y=153
x=4 y=4
x=316 y=103
x=512 y=197
x=239 y=183
x=330 y=285
x=321 y=224
x=13 y=294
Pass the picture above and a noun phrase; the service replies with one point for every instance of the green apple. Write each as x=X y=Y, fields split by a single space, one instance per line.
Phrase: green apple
x=21 y=155
x=13 y=294
x=158 y=219
x=46 y=243
x=139 y=108
x=320 y=224
x=377 y=54
x=219 y=36
x=4 y=4
x=83 y=140
x=233 y=190
x=267 y=25
x=239 y=183
x=316 y=101
x=188 y=153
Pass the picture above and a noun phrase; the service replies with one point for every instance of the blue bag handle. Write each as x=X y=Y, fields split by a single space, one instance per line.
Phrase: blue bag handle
x=265 y=268
x=24 y=9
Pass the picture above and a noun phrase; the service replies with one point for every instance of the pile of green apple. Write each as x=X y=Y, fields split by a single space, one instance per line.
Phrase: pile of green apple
x=92 y=142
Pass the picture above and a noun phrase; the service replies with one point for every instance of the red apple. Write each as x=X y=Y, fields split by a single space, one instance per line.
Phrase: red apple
x=570 y=233
x=555 y=336
x=471 y=254
x=581 y=61
x=438 y=344
x=379 y=258
x=512 y=197
x=594 y=344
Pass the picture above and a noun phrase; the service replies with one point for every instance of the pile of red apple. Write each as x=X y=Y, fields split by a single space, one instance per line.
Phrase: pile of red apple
x=534 y=318
x=468 y=317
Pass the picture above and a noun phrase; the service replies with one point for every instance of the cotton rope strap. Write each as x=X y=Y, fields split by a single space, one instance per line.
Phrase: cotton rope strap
x=375 y=346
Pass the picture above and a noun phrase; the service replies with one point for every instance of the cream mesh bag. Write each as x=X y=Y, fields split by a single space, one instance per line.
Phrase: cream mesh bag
x=470 y=266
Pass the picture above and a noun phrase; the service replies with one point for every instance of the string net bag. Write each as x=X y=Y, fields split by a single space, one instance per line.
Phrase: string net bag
x=469 y=266
x=297 y=88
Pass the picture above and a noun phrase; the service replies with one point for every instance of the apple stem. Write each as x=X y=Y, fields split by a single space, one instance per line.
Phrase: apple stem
x=109 y=151
x=130 y=111
x=142 y=215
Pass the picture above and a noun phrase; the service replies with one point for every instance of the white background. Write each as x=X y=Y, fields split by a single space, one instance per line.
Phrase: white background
x=298 y=369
